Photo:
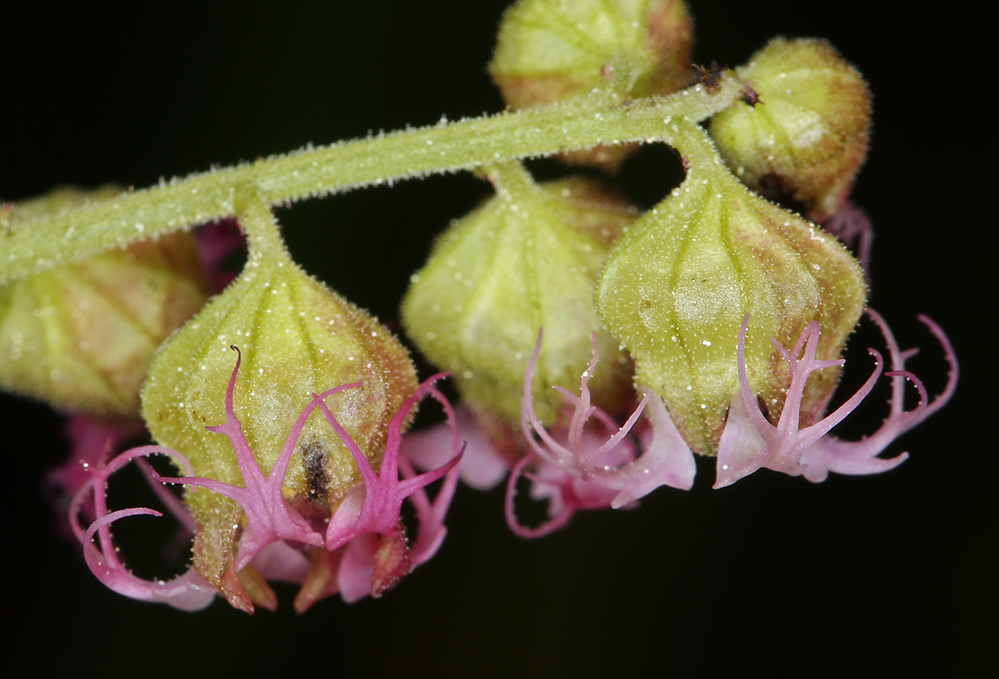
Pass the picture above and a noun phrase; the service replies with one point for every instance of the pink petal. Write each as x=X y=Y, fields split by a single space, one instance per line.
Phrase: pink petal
x=377 y=511
x=481 y=467
x=741 y=449
x=666 y=458
x=269 y=517
x=860 y=457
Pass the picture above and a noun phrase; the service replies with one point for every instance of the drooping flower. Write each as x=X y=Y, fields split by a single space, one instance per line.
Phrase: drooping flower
x=750 y=441
x=576 y=468
x=527 y=257
x=678 y=284
x=297 y=337
x=367 y=549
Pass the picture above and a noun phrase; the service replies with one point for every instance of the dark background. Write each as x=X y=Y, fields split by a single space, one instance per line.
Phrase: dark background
x=872 y=575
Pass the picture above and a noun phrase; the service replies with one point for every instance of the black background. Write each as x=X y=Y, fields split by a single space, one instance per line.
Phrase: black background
x=872 y=575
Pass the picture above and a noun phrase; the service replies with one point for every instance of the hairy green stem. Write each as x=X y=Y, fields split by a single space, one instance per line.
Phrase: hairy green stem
x=27 y=246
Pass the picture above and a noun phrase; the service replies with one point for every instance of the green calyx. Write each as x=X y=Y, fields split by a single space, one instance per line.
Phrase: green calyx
x=527 y=258
x=81 y=336
x=678 y=285
x=550 y=50
x=296 y=338
x=807 y=135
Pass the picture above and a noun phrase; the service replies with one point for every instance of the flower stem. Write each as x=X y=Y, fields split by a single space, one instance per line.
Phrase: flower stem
x=599 y=118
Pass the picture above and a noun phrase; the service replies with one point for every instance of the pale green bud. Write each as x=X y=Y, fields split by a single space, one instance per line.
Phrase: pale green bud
x=551 y=50
x=807 y=135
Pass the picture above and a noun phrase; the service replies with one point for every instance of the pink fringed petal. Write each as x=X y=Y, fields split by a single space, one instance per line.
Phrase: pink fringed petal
x=375 y=506
x=577 y=468
x=430 y=515
x=860 y=457
x=666 y=458
x=368 y=553
x=741 y=448
x=785 y=443
x=188 y=592
x=269 y=517
x=750 y=441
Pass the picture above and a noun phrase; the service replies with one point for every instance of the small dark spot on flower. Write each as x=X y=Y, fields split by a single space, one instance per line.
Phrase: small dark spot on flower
x=710 y=77
x=749 y=96
x=314 y=459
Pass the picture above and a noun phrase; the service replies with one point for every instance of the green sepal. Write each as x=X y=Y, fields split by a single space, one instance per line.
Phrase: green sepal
x=81 y=336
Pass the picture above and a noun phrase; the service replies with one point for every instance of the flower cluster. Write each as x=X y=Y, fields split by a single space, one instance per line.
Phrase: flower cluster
x=589 y=461
x=721 y=317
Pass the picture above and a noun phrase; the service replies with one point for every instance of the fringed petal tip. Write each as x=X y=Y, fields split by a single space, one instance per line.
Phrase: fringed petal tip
x=750 y=442
x=375 y=507
x=187 y=592
x=593 y=463
x=364 y=550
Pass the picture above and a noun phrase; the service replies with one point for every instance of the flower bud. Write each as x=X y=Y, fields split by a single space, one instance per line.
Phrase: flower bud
x=678 y=285
x=526 y=258
x=807 y=135
x=296 y=338
x=81 y=336
x=549 y=51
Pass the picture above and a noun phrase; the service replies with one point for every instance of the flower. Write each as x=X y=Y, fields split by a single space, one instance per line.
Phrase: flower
x=678 y=284
x=750 y=441
x=575 y=470
x=527 y=257
x=296 y=337
x=365 y=536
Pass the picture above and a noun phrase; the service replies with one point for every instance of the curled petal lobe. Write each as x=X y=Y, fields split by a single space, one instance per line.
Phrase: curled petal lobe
x=188 y=592
x=750 y=441
x=375 y=507
x=269 y=517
